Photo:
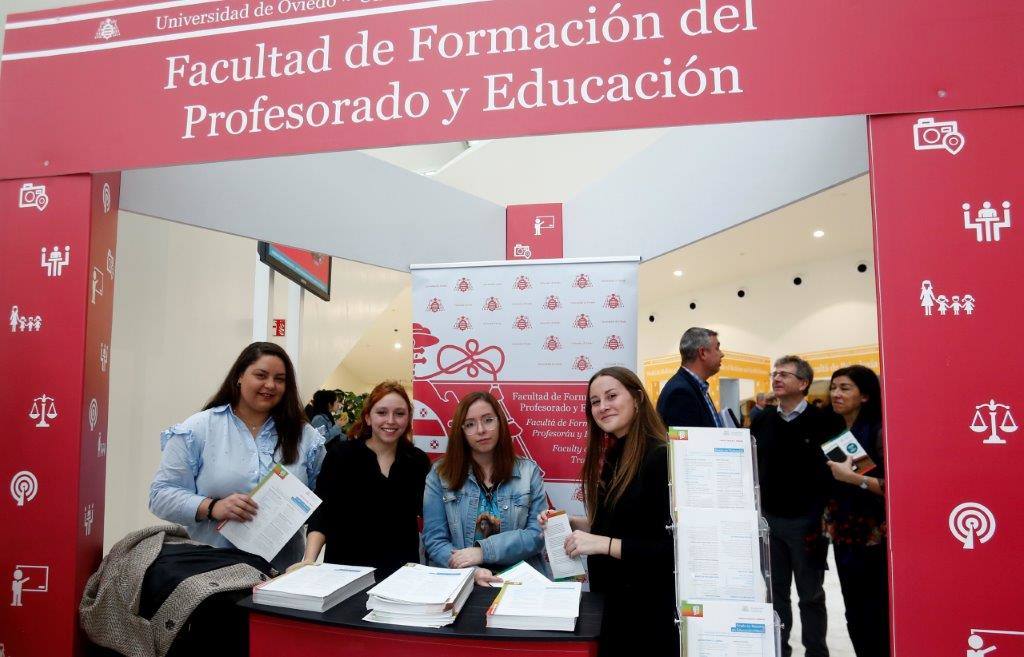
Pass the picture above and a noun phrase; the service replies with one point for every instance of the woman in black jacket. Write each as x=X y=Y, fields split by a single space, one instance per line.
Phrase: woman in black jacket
x=625 y=534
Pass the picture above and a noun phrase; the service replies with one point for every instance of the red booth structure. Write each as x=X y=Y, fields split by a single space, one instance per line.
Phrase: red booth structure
x=118 y=85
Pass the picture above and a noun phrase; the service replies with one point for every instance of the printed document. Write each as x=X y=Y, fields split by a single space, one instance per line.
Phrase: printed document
x=556 y=530
x=719 y=554
x=521 y=573
x=728 y=629
x=424 y=585
x=711 y=468
x=846 y=446
x=285 y=503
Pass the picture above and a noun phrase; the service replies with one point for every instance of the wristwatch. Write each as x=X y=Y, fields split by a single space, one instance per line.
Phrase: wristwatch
x=864 y=483
x=214 y=500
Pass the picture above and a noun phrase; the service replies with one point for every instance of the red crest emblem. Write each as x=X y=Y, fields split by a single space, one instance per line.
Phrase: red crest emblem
x=581 y=281
x=582 y=322
x=434 y=305
x=613 y=301
x=613 y=342
x=522 y=283
x=522 y=323
x=552 y=303
x=552 y=343
x=463 y=285
x=462 y=323
x=492 y=304
x=434 y=444
x=582 y=363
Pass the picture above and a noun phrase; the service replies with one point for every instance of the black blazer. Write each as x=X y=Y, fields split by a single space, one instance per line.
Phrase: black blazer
x=681 y=403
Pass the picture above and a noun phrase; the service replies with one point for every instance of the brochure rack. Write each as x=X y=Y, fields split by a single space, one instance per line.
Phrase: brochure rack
x=731 y=457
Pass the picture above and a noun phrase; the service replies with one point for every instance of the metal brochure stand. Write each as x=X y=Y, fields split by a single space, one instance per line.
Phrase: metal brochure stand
x=684 y=609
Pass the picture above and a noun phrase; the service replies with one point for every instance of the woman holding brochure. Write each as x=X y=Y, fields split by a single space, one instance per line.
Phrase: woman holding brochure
x=855 y=515
x=213 y=459
x=371 y=489
x=482 y=502
x=625 y=534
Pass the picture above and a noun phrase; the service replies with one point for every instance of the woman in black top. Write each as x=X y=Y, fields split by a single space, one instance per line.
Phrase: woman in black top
x=625 y=535
x=372 y=489
x=855 y=514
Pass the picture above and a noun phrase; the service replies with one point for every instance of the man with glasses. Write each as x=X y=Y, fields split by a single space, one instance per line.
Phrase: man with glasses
x=684 y=401
x=794 y=480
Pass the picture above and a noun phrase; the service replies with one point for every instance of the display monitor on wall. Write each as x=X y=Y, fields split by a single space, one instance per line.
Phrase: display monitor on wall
x=309 y=269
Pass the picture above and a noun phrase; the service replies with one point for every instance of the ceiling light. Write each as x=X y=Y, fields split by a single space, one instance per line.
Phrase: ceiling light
x=819 y=233
x=398 y=345
x=678 y=273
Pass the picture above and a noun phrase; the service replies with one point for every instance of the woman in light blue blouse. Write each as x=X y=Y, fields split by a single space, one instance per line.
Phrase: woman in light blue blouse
x=211 y=460
x=481 y=502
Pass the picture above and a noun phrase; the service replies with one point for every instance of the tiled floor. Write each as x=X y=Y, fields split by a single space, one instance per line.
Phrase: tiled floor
x=838 y=640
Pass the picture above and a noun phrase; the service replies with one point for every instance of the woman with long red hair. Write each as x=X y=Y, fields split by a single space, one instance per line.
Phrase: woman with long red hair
x=624 y=534
x=372 y=489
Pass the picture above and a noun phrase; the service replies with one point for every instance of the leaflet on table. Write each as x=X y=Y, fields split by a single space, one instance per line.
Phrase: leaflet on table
x=419 y=584
x=556 y=530
x=845 y=446
x=317 y=580
x=521 y=573
x=554 y=599
x=711 y=468
x=728 y=629
x=285 y=503
x=719 y=552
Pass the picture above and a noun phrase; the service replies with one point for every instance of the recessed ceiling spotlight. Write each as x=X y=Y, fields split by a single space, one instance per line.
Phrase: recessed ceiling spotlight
x=678 y=273
x=398 y=345
x=819 y=233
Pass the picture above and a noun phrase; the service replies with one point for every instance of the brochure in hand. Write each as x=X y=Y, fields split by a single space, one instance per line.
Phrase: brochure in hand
x=845 y=446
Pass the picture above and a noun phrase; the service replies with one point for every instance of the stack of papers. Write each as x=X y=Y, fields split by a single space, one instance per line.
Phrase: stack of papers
x=553 y=606
x=316 y=587
x=521 y=573
x=712 y=629
x=420 y=596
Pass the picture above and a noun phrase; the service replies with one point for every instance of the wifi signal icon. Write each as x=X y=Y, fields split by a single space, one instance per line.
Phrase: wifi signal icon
x=970 y=522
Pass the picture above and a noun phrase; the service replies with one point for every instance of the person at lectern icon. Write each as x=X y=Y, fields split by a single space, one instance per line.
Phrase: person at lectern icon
x=927 y=297
x=17 y=584
x=976 y=642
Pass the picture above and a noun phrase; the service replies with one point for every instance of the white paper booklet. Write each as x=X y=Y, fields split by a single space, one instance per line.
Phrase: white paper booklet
x=420 y=596
x=728 y=629
x=719 y=555
x=316 y=587
x=711 y=468
x=285 y=504
x=551 y=606
x=521 y=573
x=556 y=530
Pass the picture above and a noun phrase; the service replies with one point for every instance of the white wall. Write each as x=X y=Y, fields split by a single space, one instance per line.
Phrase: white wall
x=834 y=307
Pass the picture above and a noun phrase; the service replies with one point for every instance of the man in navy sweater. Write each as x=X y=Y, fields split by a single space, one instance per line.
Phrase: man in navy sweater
x=794 y=481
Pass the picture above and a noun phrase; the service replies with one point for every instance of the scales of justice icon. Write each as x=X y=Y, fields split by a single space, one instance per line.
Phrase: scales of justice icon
x=991 y=417
x=43 y=409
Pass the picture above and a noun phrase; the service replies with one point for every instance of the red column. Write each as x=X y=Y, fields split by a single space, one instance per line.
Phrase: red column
x=948 y=254
x=56 y=294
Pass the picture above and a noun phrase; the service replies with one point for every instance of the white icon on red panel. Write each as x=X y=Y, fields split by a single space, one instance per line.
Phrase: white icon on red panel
x=39 y=576
x=24 y=487
x=107 y=29
x=94 y=413
x=543 y=222
x=976 y=643
x=88 y=515
x=932 y=135
x=101 y=447
x=43 y=409
x=104 y=356
x=970 y=522
x=97 y=284
x=33 y=196
x=954 y=305
x=110 y=263
x=992 y=417
x=987 y=224
x=55 y=261
x=522 y=251
x=106 y=198
x=20 y=322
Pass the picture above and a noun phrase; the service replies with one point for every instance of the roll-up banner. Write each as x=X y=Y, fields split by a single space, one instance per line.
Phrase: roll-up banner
x=530 y=333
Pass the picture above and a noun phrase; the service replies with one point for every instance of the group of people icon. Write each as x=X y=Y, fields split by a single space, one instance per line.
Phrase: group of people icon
x=958 y=303
x=21 y=322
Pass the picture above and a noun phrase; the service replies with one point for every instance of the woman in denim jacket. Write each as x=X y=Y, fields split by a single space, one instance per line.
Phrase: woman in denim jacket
x=481 y=502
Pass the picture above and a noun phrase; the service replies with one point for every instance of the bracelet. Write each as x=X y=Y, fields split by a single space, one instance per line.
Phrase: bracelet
x=609 y=546
x=209 y=509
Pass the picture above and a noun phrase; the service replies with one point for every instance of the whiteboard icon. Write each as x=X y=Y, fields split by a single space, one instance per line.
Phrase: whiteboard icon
x=24 y=487
x=931 y=135
x=543 y=223
x=39 y=576
x=972 y=521
x=992 y=418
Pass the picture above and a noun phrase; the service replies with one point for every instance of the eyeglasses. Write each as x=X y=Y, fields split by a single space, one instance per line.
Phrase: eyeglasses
x=783 y=375
x=469 y=426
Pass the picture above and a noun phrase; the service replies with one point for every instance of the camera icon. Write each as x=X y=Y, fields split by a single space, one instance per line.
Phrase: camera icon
x=33 y=196
x=522 y=251
x=930 y=135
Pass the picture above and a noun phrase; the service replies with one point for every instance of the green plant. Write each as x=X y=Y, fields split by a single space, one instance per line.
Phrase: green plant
x=351 y=406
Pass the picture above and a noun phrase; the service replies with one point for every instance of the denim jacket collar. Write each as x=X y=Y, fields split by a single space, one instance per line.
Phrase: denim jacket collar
x=516 y=467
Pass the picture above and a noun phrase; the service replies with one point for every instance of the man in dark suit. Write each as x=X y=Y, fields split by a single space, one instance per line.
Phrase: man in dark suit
x=684 y=401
